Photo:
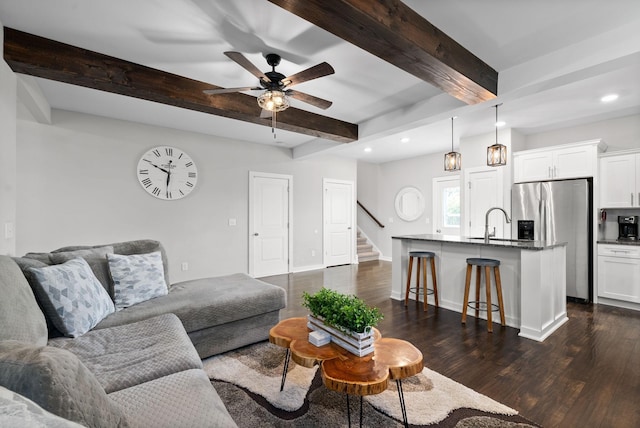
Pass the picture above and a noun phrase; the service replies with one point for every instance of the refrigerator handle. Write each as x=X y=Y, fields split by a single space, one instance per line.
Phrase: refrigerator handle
x=541 y=217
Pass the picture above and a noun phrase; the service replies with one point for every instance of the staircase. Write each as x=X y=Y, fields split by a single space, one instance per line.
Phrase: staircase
x=365 y=250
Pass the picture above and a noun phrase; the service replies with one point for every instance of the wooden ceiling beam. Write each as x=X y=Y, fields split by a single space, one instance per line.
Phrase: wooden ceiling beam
x=392 y=31
x=37 y=56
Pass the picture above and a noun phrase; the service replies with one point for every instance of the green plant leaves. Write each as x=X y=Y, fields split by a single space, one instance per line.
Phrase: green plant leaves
x=345 y=312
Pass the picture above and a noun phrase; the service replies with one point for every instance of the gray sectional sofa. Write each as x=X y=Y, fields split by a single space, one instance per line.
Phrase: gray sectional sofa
x=140 y=366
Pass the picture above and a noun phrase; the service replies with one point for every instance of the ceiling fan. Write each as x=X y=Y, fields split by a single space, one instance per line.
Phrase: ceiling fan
x=276 y=86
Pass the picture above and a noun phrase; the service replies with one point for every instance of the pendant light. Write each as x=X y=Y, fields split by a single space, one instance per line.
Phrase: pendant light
x=452 y=160
x=497 y=153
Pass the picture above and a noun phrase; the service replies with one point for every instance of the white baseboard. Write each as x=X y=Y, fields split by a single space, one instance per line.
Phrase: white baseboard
x=307 y=268
x=384 y=258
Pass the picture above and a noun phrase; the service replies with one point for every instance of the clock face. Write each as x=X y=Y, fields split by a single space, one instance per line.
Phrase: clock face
x=167 y=173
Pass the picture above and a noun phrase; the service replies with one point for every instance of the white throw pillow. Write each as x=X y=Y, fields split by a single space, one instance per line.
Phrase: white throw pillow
x=136 y=278
x=72 y=296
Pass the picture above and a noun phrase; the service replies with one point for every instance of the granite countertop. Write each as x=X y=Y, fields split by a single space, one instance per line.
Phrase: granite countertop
x=498 y=242
x=616 y=242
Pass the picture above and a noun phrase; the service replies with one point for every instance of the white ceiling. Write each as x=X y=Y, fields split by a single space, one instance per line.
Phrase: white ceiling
x=555 y=59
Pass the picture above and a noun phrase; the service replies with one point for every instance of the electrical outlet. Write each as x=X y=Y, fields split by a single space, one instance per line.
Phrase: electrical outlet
x=232 y=222
x=185 y=266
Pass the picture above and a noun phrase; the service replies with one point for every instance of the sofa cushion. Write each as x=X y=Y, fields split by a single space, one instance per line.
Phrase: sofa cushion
x=136 y=278
x=185 y=399
x=57 y=381
x=97 y=260
x=72 y=296
x=207 y=302
x=20 y=316
x=128 y=355
x=17 y=411
x=139 y=246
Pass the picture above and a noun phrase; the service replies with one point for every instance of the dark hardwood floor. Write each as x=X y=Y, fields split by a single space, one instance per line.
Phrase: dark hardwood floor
x=587 y=374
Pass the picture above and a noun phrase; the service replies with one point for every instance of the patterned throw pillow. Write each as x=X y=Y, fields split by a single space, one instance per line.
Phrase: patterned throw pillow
x=72 y=297
x=136 y=278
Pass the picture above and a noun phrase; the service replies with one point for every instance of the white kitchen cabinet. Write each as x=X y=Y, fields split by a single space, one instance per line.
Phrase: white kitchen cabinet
x=620 y=180
x=558 y=162
x=619 y=272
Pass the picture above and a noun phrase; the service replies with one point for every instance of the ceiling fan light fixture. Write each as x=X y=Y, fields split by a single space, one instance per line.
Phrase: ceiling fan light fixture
x=452 y=160
x=497 y=153
x=273 y=100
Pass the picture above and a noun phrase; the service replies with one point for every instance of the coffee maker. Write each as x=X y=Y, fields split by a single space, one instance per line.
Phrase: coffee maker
x=627 y=228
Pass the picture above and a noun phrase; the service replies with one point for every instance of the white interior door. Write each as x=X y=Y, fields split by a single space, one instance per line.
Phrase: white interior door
x=483 y=190
x=338 y=216
x=269 y=223
x=446 y=205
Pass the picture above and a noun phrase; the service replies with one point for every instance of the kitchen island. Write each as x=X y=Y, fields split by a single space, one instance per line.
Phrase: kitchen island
x=533 y=277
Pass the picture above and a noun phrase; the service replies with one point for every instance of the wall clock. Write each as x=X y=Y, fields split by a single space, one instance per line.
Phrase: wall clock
x=167 y=173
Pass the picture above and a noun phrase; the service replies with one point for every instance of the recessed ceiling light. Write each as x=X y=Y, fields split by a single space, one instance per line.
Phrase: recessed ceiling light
x=405 y=140
x=500 y=123
x=367 y=149
x=609 y=98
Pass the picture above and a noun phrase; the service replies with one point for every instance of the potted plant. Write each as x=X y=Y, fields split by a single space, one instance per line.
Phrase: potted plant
x=346 y=318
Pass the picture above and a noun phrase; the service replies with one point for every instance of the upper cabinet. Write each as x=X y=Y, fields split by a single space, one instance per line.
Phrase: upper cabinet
x=557 y=163
x=620 y=180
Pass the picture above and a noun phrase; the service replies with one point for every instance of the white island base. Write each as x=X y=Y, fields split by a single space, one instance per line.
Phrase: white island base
x=533 y=278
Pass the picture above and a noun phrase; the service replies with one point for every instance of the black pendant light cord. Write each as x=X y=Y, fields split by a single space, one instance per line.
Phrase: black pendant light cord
x=452 y=134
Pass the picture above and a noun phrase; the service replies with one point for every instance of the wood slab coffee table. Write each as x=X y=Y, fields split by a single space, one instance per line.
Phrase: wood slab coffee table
x=342 y=371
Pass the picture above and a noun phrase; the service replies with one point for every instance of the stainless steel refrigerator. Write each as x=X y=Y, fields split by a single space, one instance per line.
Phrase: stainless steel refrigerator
x=561 y=211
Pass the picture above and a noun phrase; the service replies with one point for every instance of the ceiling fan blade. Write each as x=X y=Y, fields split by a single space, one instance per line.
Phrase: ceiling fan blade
x=247 y=65
x=229 y=90
x=310 y=99
x=320 y=70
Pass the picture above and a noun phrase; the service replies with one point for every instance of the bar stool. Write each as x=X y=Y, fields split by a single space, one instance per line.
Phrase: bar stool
x=423 y=256
x=477 y=304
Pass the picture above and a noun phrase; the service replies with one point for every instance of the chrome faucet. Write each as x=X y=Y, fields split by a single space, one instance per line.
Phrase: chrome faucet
x=487 y=235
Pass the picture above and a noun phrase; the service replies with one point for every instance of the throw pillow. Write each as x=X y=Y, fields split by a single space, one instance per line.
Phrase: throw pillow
x=97 y=260
x=136 y=278
x=73 y=298
x=20 y=316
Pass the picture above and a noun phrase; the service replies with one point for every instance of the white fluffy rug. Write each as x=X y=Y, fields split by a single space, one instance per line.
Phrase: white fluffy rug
x=429 y=396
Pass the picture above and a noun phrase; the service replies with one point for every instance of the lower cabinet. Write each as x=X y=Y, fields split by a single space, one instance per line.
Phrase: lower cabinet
x=619 y=272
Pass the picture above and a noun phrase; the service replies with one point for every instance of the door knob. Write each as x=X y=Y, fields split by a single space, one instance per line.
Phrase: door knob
x=256 y=234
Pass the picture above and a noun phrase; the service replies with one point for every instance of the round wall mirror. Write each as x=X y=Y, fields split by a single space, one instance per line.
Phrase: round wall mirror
x=409 y=203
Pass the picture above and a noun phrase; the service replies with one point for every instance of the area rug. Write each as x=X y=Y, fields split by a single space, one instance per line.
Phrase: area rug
x=248 y=381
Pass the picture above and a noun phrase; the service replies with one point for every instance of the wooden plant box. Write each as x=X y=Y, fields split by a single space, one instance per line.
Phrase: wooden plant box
x=360 y=344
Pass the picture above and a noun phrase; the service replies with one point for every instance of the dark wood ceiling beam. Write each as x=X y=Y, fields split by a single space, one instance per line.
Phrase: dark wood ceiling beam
x=37 y=56
x=394 y=32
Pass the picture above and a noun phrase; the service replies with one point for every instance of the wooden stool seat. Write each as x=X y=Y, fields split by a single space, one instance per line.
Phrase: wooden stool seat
x=486 y=305
x=426 y=256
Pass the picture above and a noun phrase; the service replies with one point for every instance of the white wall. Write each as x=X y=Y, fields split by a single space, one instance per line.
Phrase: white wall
x=7 y=152
x=385 y=181
x=619 y=134
x=77 y=185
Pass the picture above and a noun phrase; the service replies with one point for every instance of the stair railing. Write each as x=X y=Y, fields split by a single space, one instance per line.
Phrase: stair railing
x=370 y=215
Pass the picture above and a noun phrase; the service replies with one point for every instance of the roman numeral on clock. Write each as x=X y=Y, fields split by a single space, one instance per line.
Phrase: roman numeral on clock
x=168 y=151
x=147 y=182
x=192 y=175
x=188 y=164
x=144 y=172
x=156 y=191
x=156 y=152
